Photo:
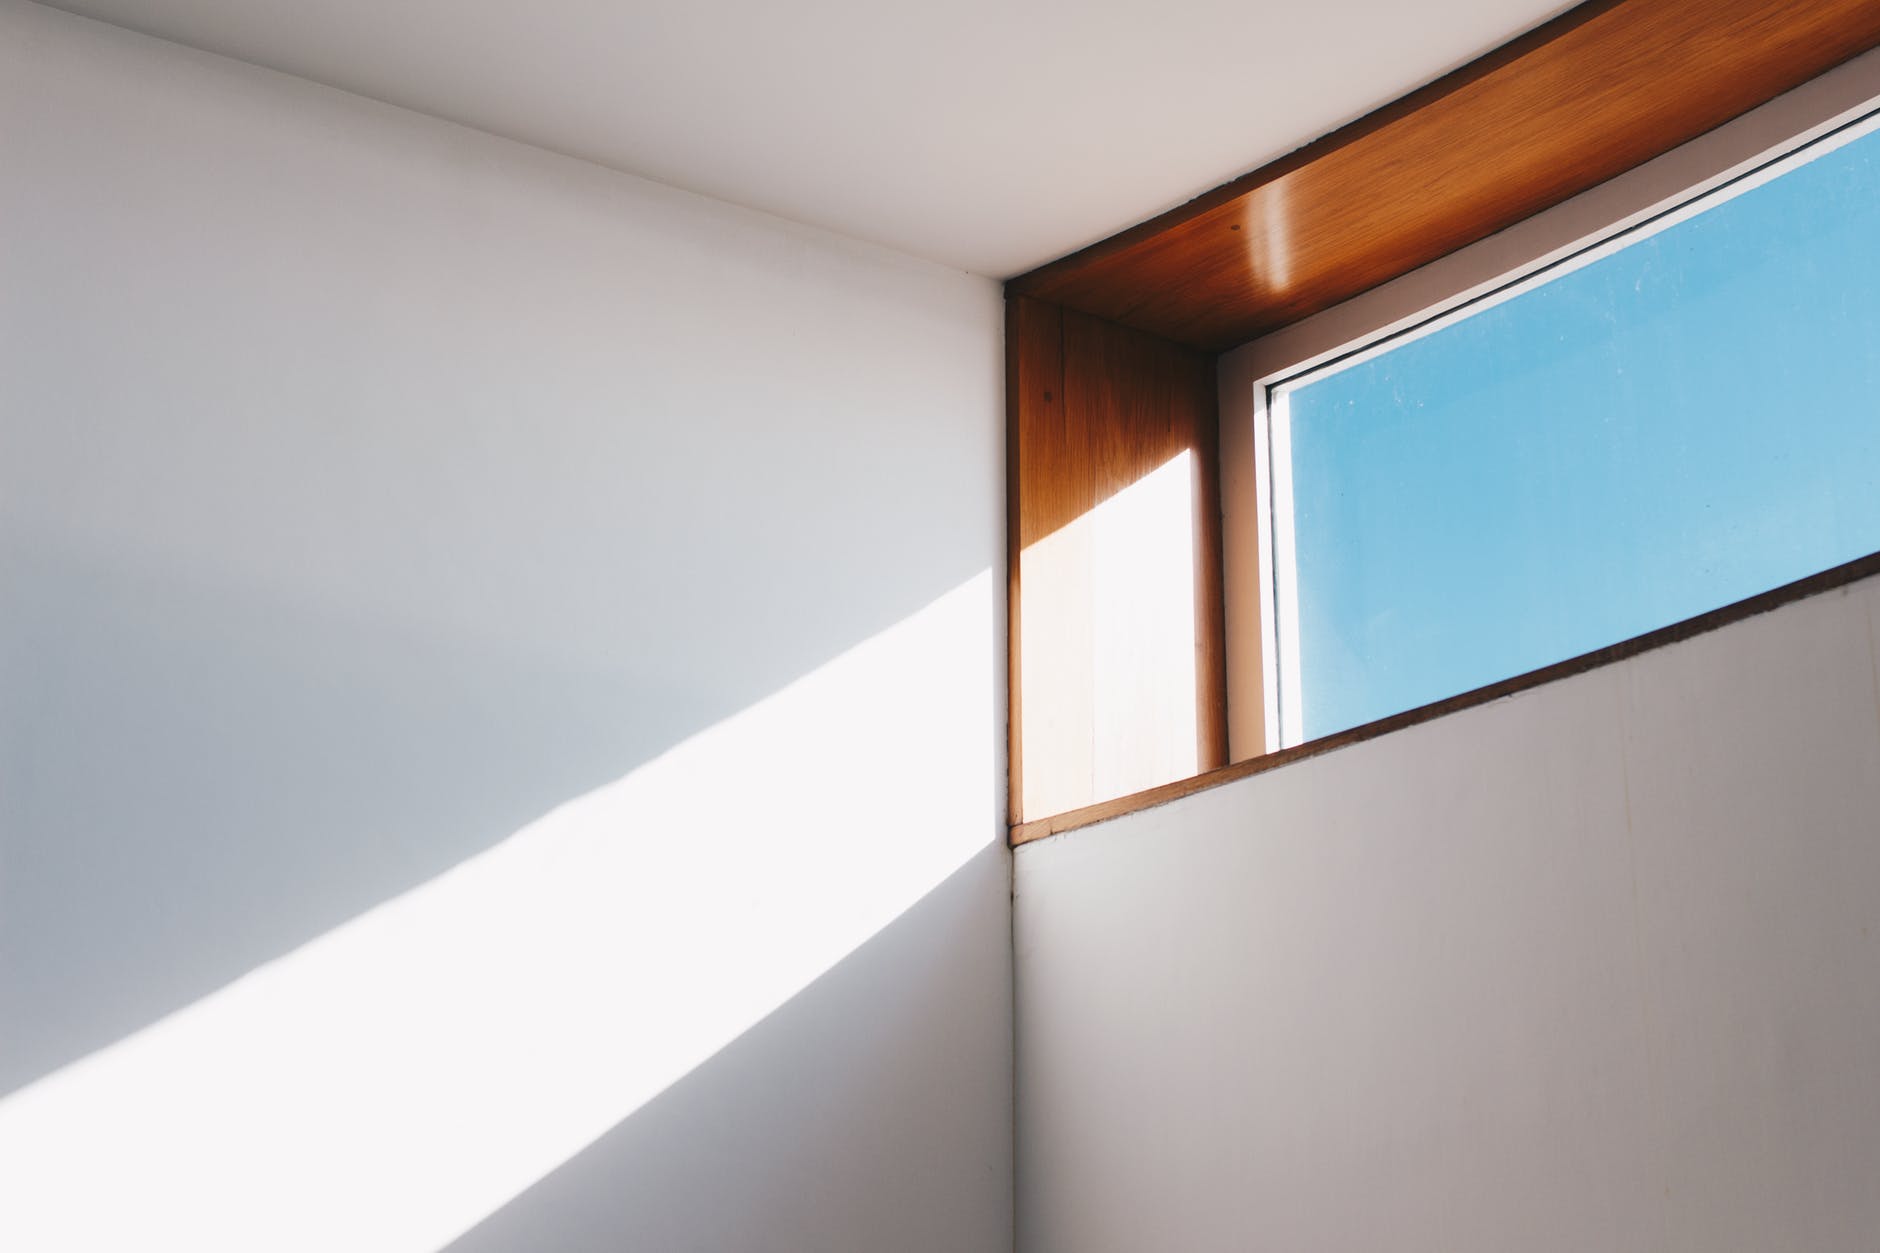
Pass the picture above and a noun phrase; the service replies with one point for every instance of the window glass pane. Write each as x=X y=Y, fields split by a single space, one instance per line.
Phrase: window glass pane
x=1680 y=424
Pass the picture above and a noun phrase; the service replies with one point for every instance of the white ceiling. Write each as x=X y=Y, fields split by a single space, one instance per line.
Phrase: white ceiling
x=991 y=135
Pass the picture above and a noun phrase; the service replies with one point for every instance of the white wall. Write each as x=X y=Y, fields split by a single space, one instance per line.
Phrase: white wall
x=499 y=701
x=1593 y=967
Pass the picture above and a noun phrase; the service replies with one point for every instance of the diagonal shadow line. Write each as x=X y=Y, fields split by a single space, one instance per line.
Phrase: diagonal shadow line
x=877 y=1071
x=210 y=775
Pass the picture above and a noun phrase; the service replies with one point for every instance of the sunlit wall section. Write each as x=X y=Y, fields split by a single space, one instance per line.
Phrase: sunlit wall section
x=396 y=1080
x=1110 y=644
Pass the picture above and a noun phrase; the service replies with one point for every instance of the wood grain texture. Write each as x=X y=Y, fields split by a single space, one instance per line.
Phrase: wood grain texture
x=1034 y=390
x=1600 y=89
x=1210 y=578
x=1814 y=585
x=1094 y=408
x=1132 y=403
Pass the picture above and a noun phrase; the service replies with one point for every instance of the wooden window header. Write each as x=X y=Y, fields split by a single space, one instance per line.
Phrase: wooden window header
x=1606 y=86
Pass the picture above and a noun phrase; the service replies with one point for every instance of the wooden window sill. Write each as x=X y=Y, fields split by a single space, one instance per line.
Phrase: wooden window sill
x=1103 y=811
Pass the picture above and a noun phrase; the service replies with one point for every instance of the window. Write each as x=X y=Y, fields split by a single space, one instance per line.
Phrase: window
x=1663 y=422
x=1374 y=262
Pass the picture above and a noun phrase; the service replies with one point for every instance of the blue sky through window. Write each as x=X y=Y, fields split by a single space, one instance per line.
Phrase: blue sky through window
x=1684 y=423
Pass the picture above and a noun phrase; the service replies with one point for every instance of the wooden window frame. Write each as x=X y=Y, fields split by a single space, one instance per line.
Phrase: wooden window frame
x=1594 y=94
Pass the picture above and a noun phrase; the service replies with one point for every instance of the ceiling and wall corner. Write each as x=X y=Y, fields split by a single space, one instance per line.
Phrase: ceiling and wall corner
x=985 y=135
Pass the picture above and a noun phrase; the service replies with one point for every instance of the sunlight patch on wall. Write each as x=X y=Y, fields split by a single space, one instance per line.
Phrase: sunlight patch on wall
x=1108 y=640
x=395 y=1081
